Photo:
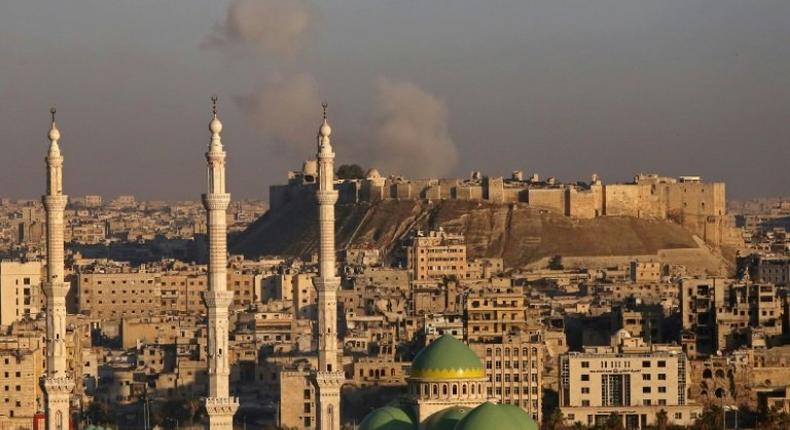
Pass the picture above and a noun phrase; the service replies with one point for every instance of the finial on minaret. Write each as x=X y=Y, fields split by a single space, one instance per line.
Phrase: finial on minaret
x=325 y=130
x=54 y=133
x=215 y=126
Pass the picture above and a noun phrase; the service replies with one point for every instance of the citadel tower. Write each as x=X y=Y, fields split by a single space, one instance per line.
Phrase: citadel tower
x=219 y=405
x=57 y=384
x=329 y=376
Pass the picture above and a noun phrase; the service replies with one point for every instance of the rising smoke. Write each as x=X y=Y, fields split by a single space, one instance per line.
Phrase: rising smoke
x=410 y=133
x=286 y=111
x=277 y=26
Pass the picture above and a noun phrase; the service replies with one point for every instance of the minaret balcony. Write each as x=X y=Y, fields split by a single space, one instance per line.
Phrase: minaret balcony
x=216 y=201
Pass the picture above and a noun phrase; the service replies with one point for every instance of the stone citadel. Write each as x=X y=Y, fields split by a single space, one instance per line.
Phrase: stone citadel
x=698 y=206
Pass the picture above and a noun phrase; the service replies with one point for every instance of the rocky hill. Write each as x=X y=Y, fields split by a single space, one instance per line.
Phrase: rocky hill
x=519 y=234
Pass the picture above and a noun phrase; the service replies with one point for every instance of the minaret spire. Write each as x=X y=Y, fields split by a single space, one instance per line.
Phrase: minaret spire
x=329 y=375
x=219 y=405
x=58 y=385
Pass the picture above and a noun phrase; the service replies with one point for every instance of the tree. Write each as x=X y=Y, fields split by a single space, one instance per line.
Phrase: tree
x=555 y=421
x=99 y=413
x=614 y=422
x=350 y=171
x=662 y=420
x=711 y=419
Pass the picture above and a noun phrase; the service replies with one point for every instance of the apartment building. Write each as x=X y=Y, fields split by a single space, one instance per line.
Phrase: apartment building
x=21 y=295
x=514 y=367
x=630 y=379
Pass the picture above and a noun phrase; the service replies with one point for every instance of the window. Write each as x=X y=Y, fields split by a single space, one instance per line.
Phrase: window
x=585 y=403
x=585 y=390
x=662 y=363
x=662 y=376
x=585 y=377
x=585 y=364
x=646 y=363
x=645 y=376
x=645 y=389
x=662 y=389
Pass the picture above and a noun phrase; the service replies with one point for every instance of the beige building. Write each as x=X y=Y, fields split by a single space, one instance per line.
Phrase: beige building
x=630 y=379
x=645 y=271
x=490 y=315
x=118 y=295
x=437 y=255
x=20 y=371
x=514 y=368
x=20 y=290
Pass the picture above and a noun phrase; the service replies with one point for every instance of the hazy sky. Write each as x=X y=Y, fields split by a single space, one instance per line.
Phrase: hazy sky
x=564 y=88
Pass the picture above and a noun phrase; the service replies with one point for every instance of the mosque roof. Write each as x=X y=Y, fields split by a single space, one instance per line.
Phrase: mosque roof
x=447 y=358
x=501 y=417
x=387 y=418
x=446 y=419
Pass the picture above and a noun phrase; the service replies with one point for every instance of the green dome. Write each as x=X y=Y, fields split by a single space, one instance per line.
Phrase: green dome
x=387 y=418
x=447 y=358
x=501 y=417
x=446 y=419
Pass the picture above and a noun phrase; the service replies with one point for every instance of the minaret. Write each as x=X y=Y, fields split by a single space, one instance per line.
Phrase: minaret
x=329 y=376
x=57 y=384
x=220 y=407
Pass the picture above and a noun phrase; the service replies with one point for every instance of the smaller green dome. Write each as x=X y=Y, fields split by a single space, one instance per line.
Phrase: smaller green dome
x=387 y=418
x=447 y=358
x=501 y=417
x=446 y=419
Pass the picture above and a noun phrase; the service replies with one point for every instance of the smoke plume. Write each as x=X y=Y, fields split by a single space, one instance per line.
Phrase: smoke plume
x=410 y=134
x=278 y=26
x=287 y=111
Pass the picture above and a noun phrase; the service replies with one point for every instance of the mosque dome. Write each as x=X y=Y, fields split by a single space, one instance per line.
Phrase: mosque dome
x=447 y=358
x=387 y=418
x=446 y=419
x=501 y=417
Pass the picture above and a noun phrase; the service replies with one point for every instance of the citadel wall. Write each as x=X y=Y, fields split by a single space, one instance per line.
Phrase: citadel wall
x=699 y=206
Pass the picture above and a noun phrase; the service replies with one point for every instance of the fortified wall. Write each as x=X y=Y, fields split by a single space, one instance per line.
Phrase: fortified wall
x=699 y=206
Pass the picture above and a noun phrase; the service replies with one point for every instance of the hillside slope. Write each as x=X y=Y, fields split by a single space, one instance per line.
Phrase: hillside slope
x=515 y=232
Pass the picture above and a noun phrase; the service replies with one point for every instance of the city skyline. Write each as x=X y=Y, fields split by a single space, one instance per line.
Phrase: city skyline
x=693 y=89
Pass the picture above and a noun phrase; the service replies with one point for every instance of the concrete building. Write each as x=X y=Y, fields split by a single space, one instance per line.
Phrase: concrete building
x=21 y=295
x=514 y=368
x=118 y=295
x=20 y=370
x=630 y=379
x=220 y=406
x=58 y=384
x=437 y=255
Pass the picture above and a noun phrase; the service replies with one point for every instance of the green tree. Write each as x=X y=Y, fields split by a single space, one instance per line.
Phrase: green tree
x=555 y=421
x=350 y=171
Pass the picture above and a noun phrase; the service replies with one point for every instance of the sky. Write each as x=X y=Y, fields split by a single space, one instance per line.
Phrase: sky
x=422 y=88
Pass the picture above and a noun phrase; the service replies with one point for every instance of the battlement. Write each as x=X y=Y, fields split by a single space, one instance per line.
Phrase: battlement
x=699 y=206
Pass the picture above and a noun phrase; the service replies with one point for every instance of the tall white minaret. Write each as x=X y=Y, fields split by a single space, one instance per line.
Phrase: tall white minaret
x=329 y=376
x=220 y=407
x=57 y=383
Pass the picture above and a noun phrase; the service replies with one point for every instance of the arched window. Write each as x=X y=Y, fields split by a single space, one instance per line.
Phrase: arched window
x=455 y=389
x=463 y=389
x=435 y=390
x=444 y=390
x=473 y=388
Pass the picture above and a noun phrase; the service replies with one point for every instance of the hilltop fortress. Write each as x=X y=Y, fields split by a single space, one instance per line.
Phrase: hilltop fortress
x=698 y=206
